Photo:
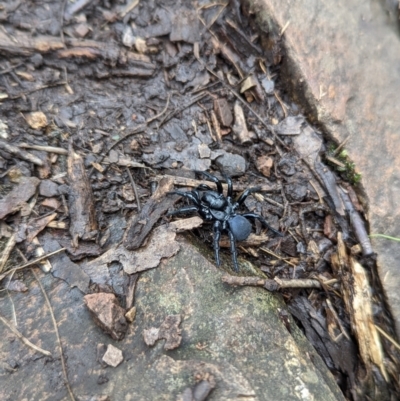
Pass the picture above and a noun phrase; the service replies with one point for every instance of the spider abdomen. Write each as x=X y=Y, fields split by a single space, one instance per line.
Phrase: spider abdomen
x=240 y=227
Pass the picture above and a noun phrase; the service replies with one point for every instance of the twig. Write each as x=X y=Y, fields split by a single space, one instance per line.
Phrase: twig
x=268 y=251
x=7 y=250
x=37 y=89
x=175 y=112
x=190 y=182
x=30 y=263
x=271 y=285
x=66 y=381
x=50 y=149
x=24 y=339
x=15 y=150
x=357 y=224
x=335 y=315
x=386 y=335
x=139 y=207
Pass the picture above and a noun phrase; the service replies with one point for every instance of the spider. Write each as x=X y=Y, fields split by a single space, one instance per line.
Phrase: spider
x=213 y=206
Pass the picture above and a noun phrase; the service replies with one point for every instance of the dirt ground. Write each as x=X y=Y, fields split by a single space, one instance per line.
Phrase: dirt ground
x=100 y=100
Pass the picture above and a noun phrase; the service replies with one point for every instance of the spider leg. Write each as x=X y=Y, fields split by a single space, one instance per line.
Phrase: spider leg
x=245 y=194
x=183 y=210
x=233 y=250
x=213 y=179
x=263 y=221
x=203 y=187
x=229 y=182
x=191 y=195
x=217 y=235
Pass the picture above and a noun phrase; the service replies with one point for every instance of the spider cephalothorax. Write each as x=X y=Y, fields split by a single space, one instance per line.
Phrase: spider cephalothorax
x=213 y=206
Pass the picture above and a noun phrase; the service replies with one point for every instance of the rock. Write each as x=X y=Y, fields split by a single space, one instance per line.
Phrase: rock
x=231 y=336
x=107 y=314
x=48 y=189
x=130 y=315
x=204 y=151
x=363 y=106
x=113 y=356
x=268 y=85
x=231 y=164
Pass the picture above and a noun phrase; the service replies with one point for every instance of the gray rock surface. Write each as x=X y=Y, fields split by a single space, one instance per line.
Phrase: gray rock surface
x=344 y=59
x=231 y=337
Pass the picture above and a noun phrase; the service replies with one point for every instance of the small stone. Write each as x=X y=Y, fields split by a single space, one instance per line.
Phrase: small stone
x=130 y=315
x=134 y=145
x=36 y=120
x=232 y=165
x=107 y=314
x=48 y=188
x=81 y=30
x=150 y=335
x=204 y=151
x=113 y=356
x=113 y=156
x=128 y=38
x=51 y=203
x=264 y=165
x=268 y=85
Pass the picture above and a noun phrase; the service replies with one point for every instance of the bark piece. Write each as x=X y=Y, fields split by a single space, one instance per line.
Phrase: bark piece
x=21 y=154
x=223 y=111
x=113 y=356
x=185 y=27
x=107 y=314
x=357 y=297
x=155 y=207
x=81 y=205
x=14 y=200
x=240 y=127
x=23 y=43
x=169 y=330
x=264 y=165
x=36 y=226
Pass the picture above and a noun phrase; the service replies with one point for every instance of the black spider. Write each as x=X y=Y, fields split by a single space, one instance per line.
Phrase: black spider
x=214 y=206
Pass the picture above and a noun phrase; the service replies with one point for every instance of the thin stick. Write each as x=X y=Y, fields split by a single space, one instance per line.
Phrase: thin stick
x=190 y=182
x=395 y=343
x=50 y=149
x=7 y=250
x=271 y=285
x=139 y=207
x=30 y=263
x=266 y=250
x=24 y=339
x=66 y=381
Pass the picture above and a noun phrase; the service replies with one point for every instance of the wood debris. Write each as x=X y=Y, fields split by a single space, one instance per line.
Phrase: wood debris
x=83 y=224
x=357 y=297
